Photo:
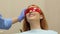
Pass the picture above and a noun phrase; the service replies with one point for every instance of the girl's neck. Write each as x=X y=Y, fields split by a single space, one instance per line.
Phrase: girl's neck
x=35 y=25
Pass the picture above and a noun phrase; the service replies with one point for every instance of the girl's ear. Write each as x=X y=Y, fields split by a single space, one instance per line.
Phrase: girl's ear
x=41 y=17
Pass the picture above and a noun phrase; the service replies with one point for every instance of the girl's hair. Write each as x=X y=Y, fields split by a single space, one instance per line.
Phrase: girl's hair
x=43 y=23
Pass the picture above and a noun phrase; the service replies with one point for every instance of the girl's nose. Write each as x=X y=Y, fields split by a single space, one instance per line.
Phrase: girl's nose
x=30 y=11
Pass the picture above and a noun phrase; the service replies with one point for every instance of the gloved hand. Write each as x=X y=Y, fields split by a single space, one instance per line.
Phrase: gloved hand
x=21 y=15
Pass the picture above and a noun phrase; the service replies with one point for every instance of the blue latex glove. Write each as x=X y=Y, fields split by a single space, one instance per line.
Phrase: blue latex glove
x=20 y=18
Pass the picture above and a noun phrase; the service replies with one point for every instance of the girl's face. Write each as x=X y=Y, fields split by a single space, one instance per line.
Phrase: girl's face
x=32 y=16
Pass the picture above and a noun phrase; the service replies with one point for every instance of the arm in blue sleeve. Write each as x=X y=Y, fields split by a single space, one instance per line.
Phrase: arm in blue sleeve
x=5 y=23
x=8 y=23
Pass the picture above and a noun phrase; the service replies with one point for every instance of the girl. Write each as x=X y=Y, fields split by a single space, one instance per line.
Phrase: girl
x=35 y=22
